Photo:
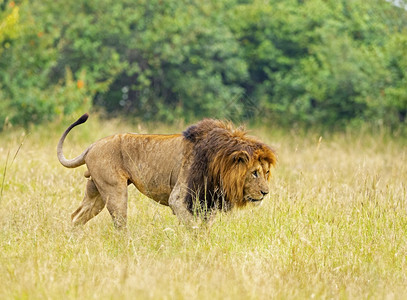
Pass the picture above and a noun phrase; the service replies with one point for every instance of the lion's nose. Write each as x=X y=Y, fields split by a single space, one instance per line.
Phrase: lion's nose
x=264 y=193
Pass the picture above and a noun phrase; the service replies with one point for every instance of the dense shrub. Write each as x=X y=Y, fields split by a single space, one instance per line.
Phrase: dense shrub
x=308 y=62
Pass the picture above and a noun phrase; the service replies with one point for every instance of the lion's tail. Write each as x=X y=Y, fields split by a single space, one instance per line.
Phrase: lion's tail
x=77 y=161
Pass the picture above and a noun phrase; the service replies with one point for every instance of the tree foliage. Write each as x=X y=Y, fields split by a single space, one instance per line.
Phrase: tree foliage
x=310 y=62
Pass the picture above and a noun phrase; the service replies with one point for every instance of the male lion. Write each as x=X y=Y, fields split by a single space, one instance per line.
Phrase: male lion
x=209 y=167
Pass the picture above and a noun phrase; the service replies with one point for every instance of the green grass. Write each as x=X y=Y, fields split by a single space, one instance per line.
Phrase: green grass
x=334 y=226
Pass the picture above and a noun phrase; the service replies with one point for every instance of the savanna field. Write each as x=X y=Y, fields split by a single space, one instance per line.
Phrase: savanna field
x=333 y=226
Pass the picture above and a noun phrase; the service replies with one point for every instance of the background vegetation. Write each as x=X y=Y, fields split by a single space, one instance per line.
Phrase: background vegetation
x=309 y=62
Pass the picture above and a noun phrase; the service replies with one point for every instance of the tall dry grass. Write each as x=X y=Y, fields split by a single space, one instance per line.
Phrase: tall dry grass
x=334 y=226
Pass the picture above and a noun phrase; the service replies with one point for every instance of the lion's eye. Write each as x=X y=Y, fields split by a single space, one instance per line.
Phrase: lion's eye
x=255 y=174
x=267 y=173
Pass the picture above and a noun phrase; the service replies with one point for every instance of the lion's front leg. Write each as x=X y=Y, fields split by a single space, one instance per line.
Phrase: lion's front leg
x=179 y=206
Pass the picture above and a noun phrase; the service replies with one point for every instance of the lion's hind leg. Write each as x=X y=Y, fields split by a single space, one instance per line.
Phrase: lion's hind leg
x=91 y=205
x=116 y=202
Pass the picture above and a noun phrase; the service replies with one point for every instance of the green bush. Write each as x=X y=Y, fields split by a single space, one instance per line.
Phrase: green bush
x=330 y=63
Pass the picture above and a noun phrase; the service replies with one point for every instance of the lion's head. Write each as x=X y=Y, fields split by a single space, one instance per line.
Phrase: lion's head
x=228 y=168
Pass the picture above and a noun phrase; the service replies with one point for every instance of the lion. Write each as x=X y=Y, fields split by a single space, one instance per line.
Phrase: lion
x=211 y=166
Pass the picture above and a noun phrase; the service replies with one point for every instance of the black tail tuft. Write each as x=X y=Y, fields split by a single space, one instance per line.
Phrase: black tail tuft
x=82 y=119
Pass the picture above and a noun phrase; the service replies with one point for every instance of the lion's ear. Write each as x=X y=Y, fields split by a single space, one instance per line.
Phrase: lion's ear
x=241 y=157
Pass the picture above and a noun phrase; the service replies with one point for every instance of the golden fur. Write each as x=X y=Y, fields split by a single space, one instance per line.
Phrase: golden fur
x=211 y=166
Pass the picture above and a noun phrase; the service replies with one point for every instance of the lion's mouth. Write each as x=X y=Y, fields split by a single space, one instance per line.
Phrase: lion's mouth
x=254 y=200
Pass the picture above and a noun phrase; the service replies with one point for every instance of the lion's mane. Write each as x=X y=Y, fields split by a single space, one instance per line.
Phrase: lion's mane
x=221 y=157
